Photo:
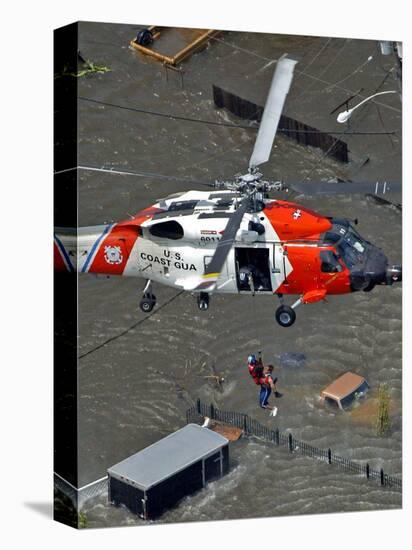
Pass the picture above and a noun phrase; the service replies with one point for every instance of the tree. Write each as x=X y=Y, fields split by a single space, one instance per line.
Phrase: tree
x=383 y=422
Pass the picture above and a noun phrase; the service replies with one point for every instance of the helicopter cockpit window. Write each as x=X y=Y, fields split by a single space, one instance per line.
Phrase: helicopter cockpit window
x=354 y=239
x=349 y=244
x=167 y=230
x=330 y=262
x=352 y=247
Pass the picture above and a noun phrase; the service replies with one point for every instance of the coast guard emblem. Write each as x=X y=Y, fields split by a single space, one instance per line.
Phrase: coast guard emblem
x=113 y=255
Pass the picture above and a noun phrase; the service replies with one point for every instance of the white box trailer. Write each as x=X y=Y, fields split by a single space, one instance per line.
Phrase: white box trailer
x=156 y=478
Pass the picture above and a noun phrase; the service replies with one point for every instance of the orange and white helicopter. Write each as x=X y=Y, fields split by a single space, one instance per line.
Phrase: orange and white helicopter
x=234 y=239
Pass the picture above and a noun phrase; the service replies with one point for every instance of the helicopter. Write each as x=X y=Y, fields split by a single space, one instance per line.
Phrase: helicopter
x=234 y=239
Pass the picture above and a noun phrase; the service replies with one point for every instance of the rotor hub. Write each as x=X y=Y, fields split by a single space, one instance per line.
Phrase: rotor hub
x=250 y=184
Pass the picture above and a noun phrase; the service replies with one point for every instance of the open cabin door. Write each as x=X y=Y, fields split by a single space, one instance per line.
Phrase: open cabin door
x=253 y=272
x=279 y=269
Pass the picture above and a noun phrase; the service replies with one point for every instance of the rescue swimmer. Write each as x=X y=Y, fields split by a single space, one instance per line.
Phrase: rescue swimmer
x=263 y=377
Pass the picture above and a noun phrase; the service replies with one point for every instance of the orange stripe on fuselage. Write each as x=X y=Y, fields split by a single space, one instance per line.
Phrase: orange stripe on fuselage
x=114 y=251
x=142 y=216
x=292 y=221
x=307 y=274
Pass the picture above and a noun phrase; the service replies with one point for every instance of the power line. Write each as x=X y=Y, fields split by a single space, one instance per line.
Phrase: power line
x=240 y=49
x=143 y=174
x=359 y=119
x=319 y=53
x=324 y=70
x=140 y=322
x=156 y=113
x=368 y=60
x=213 y=122
x=303 y=72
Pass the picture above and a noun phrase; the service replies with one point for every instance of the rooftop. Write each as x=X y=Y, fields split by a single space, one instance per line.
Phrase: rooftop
x=168 y=456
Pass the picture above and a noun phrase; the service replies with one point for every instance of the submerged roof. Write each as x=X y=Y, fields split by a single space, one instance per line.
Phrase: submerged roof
x=343 y=386
x=168 y=456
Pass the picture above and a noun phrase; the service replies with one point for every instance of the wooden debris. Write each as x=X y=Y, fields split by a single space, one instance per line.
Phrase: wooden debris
x=196 y=39
x=230 y=432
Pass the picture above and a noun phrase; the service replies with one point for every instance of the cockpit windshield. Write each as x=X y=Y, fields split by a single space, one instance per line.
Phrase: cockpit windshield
x=348 y=242
x=352 y=247
x=354 y=239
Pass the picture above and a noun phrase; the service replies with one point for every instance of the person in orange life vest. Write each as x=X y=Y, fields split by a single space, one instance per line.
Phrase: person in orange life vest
x=267 y=385
x=255 y=367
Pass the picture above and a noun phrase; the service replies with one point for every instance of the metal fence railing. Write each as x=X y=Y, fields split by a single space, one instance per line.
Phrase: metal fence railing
x=250 y=426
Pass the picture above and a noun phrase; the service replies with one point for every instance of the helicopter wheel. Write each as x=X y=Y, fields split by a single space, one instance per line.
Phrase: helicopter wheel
x=285 y=316
x=147 y=303
x=203 y=301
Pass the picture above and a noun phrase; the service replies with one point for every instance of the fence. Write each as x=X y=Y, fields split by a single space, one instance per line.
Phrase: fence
x=300 y=132
x=250 y=426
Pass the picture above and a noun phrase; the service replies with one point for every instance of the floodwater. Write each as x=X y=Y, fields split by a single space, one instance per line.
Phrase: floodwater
x=139 y=373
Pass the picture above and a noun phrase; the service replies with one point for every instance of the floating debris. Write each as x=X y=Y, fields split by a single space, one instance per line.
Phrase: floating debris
x=88 y=68
x=232 y=433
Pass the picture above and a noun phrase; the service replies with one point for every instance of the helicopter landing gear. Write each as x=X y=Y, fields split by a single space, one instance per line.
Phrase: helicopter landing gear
x=203 y=301
x=285 y=315
x=148 y=301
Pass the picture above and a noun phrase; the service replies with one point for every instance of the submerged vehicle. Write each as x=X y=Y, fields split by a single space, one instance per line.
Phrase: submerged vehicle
x=345 y=391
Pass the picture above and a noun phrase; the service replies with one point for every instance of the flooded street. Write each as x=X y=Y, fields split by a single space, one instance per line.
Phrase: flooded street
x=139 y=373
x=241 y=494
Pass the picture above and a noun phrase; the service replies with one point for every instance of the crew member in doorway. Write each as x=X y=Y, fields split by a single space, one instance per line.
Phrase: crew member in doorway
x=252 y=278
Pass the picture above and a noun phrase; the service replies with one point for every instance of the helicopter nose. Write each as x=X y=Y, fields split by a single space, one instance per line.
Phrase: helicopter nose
x=372 y=270
x=394 y=274
x=375 y=267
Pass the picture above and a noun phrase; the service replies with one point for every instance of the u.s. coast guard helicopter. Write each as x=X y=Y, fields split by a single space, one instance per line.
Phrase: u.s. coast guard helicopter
x=234 y=239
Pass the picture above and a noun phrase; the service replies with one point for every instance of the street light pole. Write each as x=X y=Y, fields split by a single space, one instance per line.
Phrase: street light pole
x=345 y=115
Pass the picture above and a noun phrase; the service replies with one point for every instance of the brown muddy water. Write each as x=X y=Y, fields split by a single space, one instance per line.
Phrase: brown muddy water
x=135 y=389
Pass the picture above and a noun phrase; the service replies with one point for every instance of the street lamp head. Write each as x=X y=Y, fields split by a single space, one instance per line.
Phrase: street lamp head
x=344 y=116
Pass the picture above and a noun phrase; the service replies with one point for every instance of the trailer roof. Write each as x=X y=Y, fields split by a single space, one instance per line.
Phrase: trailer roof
x=168 y=456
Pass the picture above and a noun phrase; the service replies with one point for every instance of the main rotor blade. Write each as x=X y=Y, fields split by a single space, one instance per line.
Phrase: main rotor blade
x=214 y=269
x=346 y=187
x=279 y=89
x=144 y=174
